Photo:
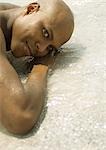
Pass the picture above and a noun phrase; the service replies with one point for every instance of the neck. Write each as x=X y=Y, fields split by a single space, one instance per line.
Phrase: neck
x=7 y=19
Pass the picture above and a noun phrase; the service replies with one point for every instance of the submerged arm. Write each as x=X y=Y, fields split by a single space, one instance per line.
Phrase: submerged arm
x=20 y=106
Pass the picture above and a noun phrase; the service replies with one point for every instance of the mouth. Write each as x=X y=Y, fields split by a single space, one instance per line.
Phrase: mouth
x=29 y=49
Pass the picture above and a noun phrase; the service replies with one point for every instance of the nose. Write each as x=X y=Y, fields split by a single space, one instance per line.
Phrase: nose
x=41 y=47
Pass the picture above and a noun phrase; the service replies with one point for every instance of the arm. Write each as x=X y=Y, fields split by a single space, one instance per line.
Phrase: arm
x=20 y=106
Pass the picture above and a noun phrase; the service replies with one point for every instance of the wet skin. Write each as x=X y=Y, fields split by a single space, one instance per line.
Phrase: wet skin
x=33 y=30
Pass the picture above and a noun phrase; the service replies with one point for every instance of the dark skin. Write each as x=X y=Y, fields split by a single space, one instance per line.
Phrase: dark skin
x=34 y=30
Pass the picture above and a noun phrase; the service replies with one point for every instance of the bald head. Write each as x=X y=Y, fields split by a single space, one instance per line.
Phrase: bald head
x=61 y=16
x=42 y=26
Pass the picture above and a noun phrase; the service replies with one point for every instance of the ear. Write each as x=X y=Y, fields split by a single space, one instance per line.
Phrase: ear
x=33 y=7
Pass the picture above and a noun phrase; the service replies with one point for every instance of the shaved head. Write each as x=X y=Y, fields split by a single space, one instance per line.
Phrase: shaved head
x=62 y=16
x=42 y=26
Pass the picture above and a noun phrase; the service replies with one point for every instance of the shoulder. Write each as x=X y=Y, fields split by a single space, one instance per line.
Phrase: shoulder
x=5 y=6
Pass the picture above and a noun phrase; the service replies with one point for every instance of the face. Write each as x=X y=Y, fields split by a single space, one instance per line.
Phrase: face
x=36 y=32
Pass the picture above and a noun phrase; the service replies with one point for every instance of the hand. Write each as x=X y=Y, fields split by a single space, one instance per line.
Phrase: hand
x=47 y=60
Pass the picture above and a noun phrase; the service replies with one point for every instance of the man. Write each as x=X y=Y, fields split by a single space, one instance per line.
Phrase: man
x=34 y=30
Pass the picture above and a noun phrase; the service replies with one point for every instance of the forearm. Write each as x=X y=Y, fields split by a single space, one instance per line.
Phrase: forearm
x=35 y=89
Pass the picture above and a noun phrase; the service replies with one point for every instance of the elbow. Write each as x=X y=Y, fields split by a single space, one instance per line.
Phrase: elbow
x=21 y=124
x=19 y=116
x=24 y=125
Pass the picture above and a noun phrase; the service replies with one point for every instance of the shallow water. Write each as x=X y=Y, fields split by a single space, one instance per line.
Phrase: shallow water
x=76 y=106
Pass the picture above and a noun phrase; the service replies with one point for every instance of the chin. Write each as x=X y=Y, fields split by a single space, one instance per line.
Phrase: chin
x=16 y=51
x=16 y=54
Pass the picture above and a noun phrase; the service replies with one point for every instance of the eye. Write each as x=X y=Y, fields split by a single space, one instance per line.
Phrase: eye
x=45 y=33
